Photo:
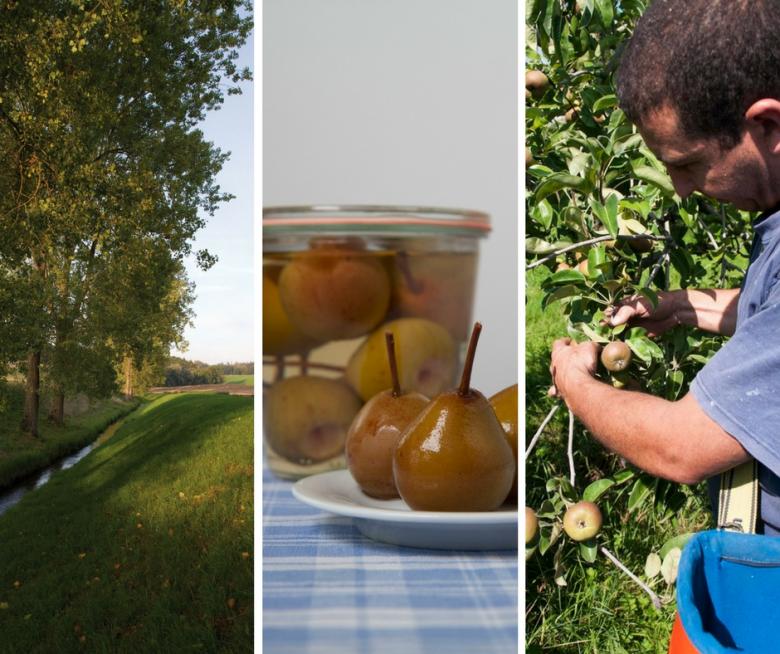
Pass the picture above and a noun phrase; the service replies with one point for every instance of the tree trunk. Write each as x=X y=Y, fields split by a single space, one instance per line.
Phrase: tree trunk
x=57 y=408
x=128 y=378
x=32 y=393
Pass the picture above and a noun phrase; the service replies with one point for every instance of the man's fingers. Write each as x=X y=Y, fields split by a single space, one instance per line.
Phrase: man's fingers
x=621 y=315
x=561 y=342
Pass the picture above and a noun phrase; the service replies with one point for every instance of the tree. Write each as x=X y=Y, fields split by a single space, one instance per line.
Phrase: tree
x=98 y=107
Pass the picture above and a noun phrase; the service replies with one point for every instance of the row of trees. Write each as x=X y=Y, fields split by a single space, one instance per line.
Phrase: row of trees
x=192 y=375
x=104 y=181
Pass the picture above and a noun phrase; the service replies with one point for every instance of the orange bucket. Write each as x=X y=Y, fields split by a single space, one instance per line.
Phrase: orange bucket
x=679 y=643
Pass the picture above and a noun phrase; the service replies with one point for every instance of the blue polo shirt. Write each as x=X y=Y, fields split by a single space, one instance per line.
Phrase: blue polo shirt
x=740 y=386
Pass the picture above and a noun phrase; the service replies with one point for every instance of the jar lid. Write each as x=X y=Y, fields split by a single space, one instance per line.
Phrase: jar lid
x=374 y=218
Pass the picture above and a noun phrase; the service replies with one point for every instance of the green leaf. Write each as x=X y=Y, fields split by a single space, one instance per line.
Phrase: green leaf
x=645 y=349
x=589 y=550
x=678 y=541
x=543 y=214
x=597 y=258
x=606 y=10
x=558 y=181
x=591 y=333
x=670 y=564
x=544 y=543
x=597 y=489
x=640 y=492
x=654 y=177
x=561 y=293
x=623 y=476
x=536 y=245
x=652 y=565
x=605 y=102
x=547 y=510
x=631 y=142
x=565 y=277
x=611 y=215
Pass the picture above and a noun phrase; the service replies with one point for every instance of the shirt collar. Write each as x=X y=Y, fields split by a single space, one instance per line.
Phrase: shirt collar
x=767 y=225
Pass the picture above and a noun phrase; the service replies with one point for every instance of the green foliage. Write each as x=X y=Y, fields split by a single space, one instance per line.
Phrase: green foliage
x=604 y=223
x=181 y=372
x=104 y=176
x=143 y=546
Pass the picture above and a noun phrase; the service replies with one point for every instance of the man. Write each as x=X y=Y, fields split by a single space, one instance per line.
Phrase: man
x=701 y=80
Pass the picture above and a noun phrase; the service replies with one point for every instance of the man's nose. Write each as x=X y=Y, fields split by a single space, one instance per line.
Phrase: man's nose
x=682 y=183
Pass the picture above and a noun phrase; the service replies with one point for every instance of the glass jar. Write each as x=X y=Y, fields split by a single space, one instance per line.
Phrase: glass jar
x=336 y=279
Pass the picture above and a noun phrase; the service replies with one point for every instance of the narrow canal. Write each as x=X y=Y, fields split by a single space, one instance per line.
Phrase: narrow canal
x=11 y=496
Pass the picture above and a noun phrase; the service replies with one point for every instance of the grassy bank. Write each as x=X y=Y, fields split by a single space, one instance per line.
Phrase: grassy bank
x=248 y=380
x=21 y=454
x=145 y=545
x=600 y=609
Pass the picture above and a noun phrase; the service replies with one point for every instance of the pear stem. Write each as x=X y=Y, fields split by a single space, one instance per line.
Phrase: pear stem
x=465 y=379
x=390 y=341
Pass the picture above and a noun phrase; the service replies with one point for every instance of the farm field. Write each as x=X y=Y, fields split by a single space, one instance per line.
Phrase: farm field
x=247 y=380
x=145 y=545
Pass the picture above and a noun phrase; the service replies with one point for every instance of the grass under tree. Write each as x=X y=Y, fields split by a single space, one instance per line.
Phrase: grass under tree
x=22 y=454
x=143 y=546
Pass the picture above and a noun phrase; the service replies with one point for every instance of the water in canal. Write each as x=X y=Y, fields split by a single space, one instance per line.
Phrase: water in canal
x=11 y=496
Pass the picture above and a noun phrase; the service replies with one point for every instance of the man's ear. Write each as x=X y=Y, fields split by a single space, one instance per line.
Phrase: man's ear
x=763 y=118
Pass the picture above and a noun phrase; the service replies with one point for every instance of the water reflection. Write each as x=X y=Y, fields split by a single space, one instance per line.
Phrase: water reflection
x=11 y=496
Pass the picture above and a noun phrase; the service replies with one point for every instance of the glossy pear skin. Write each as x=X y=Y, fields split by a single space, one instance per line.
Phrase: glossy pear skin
x=280 y=336
x=504 y=405
x=373 y=437
x=454 y=457
x=335 y=294
x=306 y=418
x=426 y=356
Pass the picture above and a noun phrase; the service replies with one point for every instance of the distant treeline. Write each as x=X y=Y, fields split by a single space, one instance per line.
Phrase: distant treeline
x=181 y=372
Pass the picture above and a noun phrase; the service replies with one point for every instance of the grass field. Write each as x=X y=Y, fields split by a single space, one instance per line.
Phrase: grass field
x=21 y=454
x=143 y=546
x=600 y=609
x=248 y=380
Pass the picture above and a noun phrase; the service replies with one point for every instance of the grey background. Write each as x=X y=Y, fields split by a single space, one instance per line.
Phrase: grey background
x=409 y=102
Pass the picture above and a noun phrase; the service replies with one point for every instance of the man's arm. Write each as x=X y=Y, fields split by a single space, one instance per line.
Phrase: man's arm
x=673 y=440
x=713 y=310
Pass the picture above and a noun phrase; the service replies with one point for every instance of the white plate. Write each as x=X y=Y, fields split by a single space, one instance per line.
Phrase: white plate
x=392 y=521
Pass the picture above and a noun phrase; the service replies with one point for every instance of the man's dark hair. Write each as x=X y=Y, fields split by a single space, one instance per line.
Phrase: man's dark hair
x=708 y=59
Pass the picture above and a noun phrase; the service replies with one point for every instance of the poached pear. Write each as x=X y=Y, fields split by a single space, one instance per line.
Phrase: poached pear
x=455 y=456
x=306 y=418
x=336 y=290
x=426 y=353
x=280 y=336
x=504 y=405
x=376 y=430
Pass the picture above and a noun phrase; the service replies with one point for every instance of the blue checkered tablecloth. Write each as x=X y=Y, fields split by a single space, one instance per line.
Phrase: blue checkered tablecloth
x=327 y=588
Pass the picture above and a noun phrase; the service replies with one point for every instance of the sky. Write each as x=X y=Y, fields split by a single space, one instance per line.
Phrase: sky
x=222 y=329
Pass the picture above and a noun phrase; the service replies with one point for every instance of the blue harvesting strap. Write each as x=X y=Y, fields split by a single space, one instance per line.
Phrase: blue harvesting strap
x=728 y=592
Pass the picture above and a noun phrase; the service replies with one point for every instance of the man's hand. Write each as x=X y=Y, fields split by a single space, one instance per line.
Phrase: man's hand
x=639 y=312
x=572 y=362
